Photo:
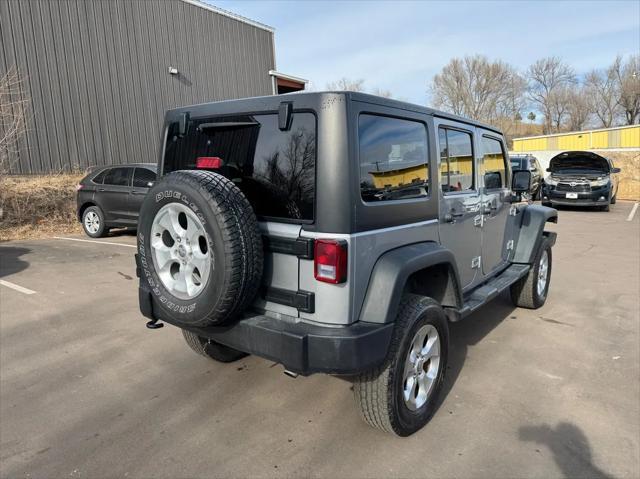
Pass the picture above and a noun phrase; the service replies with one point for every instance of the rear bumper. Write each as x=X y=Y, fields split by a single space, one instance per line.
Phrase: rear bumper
x=300 y=347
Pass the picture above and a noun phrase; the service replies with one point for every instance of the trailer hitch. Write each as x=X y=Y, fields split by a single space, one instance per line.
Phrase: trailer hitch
x=154 y=324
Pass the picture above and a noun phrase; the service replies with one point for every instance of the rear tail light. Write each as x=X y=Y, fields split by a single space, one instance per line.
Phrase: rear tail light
x=330 y=261
x=79 y=187
x=208 y=162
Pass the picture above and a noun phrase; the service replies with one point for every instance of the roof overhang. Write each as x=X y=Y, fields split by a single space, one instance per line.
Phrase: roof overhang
x=290 y=78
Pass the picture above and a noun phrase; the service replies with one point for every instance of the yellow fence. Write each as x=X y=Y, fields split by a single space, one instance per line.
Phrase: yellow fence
x=621 y=137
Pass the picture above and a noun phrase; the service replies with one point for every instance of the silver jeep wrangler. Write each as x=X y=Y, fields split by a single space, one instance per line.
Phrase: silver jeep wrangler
x=337 y=233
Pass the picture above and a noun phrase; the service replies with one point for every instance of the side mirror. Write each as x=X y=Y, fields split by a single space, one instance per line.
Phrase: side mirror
x=492 y=180
x=521 y=181
x=615 y=170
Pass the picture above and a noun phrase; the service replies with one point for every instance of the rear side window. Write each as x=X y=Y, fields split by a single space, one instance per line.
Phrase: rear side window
x=142 y=177
x=493 y=168
x=456 y=160
x=393 y=158
x=275 y=169
x=99 y=178
x=118 y=177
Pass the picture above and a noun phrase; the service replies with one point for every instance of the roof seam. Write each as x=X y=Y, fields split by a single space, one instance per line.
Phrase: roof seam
x=226 y=13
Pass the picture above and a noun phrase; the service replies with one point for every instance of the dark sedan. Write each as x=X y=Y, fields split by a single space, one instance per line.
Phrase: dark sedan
x=110 y=196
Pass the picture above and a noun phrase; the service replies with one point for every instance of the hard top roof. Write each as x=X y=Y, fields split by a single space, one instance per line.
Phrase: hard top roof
x=245 y=104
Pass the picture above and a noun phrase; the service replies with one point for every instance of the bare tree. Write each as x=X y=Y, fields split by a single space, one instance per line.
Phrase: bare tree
x=479 y=88
x=627 y=78
x=12 y=117
x=603 y=92
x=382 y=93
x=547 y=78
x=578 y=108
x=346 y=84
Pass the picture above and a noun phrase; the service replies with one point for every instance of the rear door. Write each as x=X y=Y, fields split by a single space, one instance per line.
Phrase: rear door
x=143 y=179
x=495 y=193
x=460 y=216
x=113 y=195
x=275 y=169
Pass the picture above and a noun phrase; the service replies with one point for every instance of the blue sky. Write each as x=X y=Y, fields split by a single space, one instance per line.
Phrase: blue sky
x=399 y=46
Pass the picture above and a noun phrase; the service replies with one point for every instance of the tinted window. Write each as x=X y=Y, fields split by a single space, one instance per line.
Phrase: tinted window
x=518 y=164
x=275 y=169
x=493 y=168
x=118 y=177
x=99 y=178
x=456 y=160
x=393 y=158
x=142 y=177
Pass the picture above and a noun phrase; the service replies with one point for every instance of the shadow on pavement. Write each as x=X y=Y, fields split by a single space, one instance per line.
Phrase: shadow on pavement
x=569 y=446
x=470 y=331
x=10 y=262
x=122 y=232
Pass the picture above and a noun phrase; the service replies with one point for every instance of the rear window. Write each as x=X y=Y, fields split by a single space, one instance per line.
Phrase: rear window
x=393 y=158
x=275 y=169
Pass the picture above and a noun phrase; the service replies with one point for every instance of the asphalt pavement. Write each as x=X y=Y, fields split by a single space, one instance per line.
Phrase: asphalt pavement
x=87 y=391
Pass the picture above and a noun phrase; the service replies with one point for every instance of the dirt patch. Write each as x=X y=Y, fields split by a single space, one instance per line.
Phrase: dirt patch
x=38 y=206
x=629 y=163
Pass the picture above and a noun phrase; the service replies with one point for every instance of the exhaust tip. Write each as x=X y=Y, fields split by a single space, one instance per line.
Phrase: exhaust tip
x=291 y=374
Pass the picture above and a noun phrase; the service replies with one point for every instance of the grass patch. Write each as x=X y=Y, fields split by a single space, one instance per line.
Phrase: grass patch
x=38 y=206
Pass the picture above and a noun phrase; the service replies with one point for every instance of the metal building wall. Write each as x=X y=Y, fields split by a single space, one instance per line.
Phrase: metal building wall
x=618 y=137
x=97 y=73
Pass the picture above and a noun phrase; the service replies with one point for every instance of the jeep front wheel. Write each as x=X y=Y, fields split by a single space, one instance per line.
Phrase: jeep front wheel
x=401 y=395
x=531 y=291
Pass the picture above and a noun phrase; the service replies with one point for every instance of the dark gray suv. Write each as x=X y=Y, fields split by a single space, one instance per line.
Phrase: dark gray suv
x=111 y=196
x=338 y=233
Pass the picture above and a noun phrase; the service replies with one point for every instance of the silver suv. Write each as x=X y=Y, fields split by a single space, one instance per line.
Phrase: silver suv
x=337 y=233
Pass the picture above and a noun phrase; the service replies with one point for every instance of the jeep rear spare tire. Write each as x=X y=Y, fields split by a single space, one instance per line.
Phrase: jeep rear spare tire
x=200 y=249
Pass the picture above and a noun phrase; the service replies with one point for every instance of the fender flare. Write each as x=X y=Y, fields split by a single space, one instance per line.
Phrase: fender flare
x=532 y=231
x=390 y=274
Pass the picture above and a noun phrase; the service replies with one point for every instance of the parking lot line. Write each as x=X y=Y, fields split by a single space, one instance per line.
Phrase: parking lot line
x=94 y=241
x=633 y=212
x=16 y=287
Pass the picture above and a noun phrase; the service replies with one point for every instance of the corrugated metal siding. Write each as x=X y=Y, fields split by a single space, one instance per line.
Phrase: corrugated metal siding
x=96 y=73
x=620 y=137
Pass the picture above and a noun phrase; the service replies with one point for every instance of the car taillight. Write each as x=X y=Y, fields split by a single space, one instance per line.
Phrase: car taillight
x=330 y=261
x=79 y=187
x=208 y=162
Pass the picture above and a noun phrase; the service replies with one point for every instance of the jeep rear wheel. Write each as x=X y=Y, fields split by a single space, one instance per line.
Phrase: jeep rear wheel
x=211 y=349
x=401 y=395
x=200 y=249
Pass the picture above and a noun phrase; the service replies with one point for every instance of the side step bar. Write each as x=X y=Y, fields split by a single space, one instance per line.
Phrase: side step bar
x=493 y=288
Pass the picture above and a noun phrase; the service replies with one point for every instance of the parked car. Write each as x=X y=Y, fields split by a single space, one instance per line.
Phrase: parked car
x=337 y=233
x=111 y=196
x=581 y=178
x=530 y=163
